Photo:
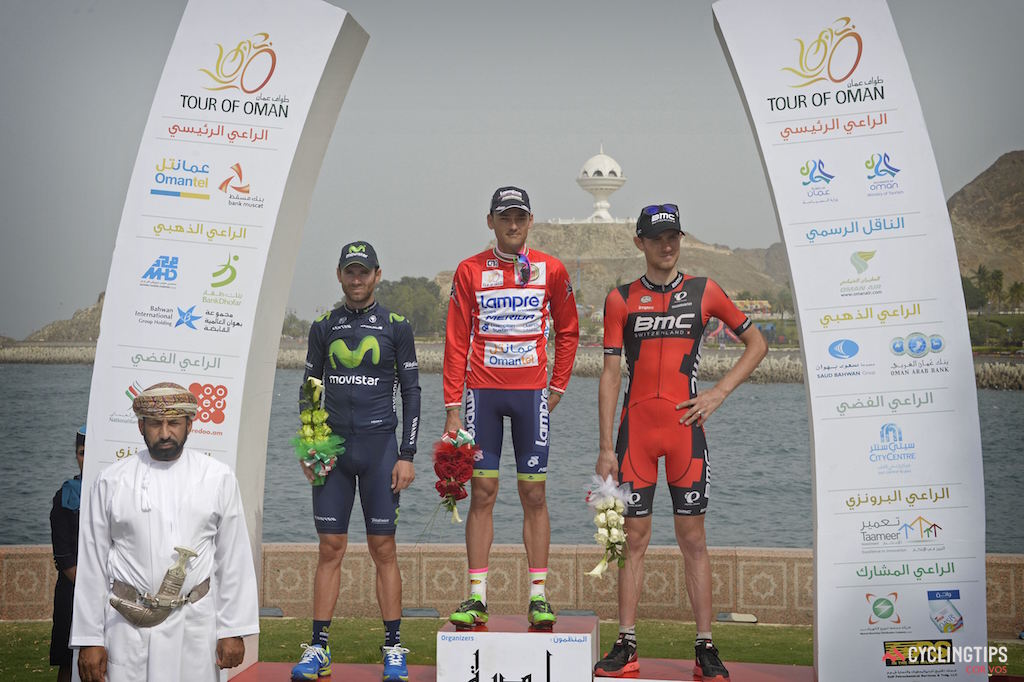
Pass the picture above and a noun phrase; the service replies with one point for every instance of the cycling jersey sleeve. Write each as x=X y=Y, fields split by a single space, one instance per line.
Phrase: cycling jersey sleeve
x=315 y=353
x=408 y=371
x=615 y=313
x=458 y=327
x=567 y=327
x=718 y=304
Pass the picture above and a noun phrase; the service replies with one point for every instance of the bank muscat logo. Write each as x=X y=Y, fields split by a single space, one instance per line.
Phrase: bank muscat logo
x=881 y=176
x=247 y=67
x=162 y=274
x=212 y=400
x=833 y=55
x=239 y=194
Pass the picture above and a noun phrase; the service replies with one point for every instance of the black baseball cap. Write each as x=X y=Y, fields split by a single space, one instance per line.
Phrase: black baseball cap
x=358 y=252
x=657 y=218
x=505 y=198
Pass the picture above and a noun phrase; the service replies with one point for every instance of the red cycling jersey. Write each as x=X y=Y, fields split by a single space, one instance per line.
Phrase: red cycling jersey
x=502 y=328
x=660 y=328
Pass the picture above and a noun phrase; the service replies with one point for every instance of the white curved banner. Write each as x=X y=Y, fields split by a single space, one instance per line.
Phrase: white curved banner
x=899 y=542
x=211 y=225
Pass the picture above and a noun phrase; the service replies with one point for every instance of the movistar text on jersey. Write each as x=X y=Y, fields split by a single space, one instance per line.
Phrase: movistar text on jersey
x=353 y=380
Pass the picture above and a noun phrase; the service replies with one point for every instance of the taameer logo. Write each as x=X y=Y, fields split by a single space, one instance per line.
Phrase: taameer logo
x=212 y=402
x=247 y=67
x=834 y=54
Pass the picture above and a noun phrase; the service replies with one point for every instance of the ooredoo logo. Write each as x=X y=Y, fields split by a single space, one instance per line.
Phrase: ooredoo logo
x=212 y=402
x=834 y=54
x=247 y=67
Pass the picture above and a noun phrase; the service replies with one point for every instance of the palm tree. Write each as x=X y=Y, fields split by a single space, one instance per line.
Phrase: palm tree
x=995 y=287
x=1015 y=295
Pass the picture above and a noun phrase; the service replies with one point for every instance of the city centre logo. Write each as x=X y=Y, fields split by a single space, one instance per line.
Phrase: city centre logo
x=891 y=453
x=188 y=318
x=248 y=67
x=834 y=54
x=163 y=273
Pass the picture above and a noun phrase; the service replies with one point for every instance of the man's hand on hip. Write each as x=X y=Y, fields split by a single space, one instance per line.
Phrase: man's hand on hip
x=92 y=663
x=230 y=652
x=402 y=475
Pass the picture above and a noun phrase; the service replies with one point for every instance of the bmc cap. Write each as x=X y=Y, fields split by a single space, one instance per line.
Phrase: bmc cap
x=657 y=218
x=358 y=252
x=510 y=197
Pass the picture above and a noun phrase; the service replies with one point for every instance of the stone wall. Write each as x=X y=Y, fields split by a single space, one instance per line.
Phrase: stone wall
x=776 y=585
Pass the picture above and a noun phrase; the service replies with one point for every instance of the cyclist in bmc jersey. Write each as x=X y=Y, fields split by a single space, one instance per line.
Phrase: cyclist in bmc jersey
x=657 y=321
x=364 y=354
x=495 y=345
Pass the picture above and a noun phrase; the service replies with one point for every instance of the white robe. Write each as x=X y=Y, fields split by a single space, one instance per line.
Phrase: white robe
x=137 y=511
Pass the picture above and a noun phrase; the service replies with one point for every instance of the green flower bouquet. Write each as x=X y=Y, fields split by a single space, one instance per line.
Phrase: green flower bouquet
x=315 y=445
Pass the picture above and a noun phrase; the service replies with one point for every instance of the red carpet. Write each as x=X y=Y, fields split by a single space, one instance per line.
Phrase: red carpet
x=650 y=669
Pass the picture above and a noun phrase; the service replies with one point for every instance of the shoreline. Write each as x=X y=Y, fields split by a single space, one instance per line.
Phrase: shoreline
x=782 y=366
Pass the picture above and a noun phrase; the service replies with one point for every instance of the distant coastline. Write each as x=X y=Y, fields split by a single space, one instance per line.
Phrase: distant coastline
x=782 y=366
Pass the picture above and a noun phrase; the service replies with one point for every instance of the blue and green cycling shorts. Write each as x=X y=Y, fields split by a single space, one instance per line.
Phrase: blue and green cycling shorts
x=527 y=410
x=367 y=462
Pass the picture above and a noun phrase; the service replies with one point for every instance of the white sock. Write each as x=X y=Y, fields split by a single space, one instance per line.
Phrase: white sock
x=478 y=583
x=538 y=576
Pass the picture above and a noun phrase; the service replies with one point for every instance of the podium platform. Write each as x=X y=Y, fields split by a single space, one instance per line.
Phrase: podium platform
x=508 y=650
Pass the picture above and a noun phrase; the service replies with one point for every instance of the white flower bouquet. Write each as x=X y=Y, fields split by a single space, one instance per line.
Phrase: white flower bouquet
x=608 y=501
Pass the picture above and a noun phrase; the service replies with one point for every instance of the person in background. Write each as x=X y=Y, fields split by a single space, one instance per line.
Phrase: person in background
x=64 y=534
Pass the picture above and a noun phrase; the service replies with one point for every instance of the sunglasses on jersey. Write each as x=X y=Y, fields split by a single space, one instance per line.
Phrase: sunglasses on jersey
x=655 y=209
x=522 y=268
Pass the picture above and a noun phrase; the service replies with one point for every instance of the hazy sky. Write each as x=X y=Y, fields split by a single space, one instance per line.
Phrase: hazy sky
x=451 y=100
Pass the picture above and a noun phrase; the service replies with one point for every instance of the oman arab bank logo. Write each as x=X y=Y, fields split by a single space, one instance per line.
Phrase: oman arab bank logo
x=246 y=67
x=833 y=55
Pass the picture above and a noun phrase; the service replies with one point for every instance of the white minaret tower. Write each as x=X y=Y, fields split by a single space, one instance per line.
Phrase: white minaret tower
x=601 y=175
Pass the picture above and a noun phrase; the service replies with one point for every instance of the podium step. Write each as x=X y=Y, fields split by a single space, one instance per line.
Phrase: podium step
x=508 y=650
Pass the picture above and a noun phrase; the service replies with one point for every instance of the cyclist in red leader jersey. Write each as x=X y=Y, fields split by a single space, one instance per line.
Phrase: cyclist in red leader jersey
x=658 y=321
x=497 y=318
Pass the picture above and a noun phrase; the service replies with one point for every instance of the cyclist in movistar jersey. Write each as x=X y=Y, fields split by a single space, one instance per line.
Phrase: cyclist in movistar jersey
x=364 y=354
x=657 y=321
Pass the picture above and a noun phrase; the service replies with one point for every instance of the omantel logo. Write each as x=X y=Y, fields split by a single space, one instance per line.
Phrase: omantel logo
x=834 y=54
x=247 y=67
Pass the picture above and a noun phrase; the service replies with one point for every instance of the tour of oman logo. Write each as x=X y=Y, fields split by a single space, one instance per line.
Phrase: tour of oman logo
x=247 y=67
x=834 y=54
x=212 y=401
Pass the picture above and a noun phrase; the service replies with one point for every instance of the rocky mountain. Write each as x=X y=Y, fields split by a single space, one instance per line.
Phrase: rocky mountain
x=988 y=219
x=84 y=325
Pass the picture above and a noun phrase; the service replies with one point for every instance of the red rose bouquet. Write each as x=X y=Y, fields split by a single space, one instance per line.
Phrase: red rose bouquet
x=453 y=463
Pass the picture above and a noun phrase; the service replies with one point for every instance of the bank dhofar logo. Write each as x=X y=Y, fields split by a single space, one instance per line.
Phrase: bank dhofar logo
x=212 y=402
x=833 y=55
x=247 y=67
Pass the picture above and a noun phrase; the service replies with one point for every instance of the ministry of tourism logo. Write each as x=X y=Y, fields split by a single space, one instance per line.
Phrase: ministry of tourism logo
x=247 y=67
x=881 y=176
x=891 y=453
x=834 y=55
x=162 y=274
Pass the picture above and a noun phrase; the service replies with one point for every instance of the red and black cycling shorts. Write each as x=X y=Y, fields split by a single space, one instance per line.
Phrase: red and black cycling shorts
x=650 y=430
